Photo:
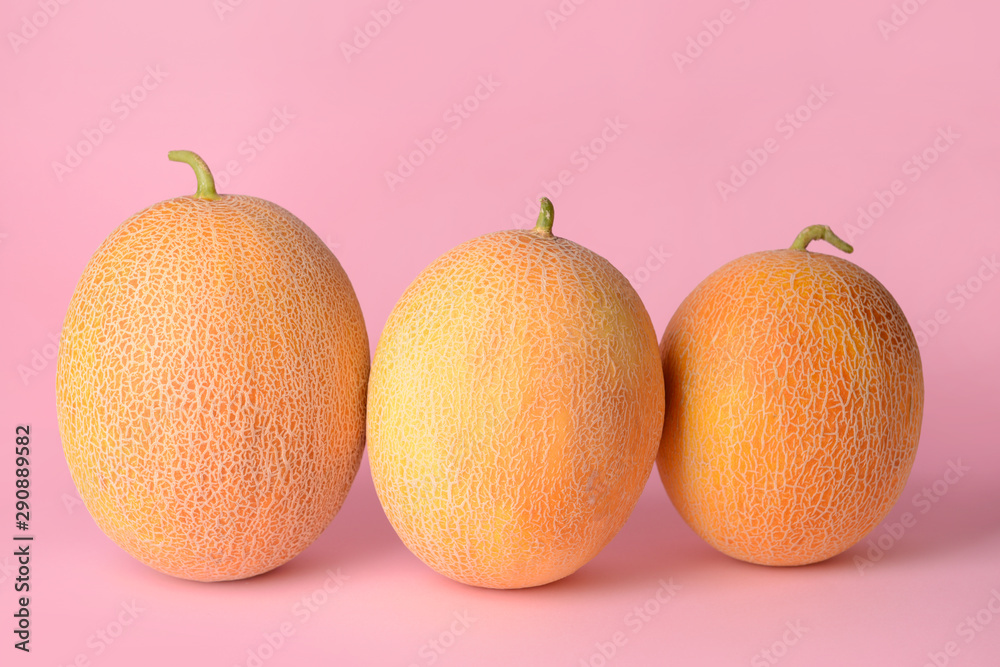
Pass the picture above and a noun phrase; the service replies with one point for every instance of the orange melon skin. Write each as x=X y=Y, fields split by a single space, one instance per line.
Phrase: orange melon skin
x=515 y=409
x=794 y=402
x=211 y=386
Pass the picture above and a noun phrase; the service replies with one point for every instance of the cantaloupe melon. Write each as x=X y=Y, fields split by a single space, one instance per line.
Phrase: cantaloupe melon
x=515 y=408
x=794 y=401
x=211 y=384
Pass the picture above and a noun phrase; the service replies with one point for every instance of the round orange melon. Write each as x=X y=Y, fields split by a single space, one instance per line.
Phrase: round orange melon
x=211 y=384
x=515 y=408
x=794 y=400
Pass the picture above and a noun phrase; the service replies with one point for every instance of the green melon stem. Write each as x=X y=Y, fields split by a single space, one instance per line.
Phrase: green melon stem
x=206 y=182
x=546 y=213
x=820 y=233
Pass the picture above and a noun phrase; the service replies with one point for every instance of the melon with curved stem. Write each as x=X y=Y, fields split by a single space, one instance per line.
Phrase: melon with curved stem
x=515 y=408
x=211 y=384
x=794 y=403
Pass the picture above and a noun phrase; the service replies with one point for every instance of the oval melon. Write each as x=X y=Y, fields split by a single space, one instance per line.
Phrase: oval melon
x=515 y=408
x=211 y=384
x=794 y=402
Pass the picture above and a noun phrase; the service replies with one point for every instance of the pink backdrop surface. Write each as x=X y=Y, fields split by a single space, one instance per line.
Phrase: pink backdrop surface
x=672 y=137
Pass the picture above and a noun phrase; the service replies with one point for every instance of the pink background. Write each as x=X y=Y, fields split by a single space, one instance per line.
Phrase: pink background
x=652 y=191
